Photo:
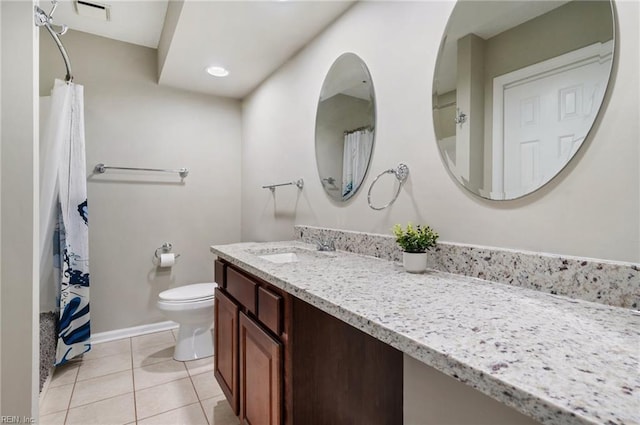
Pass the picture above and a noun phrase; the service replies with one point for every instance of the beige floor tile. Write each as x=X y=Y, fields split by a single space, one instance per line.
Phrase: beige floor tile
x=188 y=415
x=165 y=397
x=206 y=385
x=148 y=340
x=92 y=368
x=110 y=348
x=196 y=367
x=148 y=355
x=112 y=411
x=158 y=373
x=219 y=412
x=65 y=374
x=53 y=419
x=101 y=388
x=56 y=399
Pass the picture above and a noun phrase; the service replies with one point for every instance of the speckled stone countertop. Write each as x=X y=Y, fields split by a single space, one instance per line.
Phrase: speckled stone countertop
x=556 y=359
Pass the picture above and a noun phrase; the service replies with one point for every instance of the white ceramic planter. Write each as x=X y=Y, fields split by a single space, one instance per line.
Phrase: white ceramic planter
x=414 y=262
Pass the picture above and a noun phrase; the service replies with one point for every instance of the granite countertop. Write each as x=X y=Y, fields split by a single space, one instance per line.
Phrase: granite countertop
x=556 y=359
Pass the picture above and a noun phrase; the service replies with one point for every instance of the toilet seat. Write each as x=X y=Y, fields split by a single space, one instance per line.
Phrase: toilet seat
x=188 y=293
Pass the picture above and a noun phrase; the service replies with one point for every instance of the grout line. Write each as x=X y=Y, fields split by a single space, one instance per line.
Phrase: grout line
x=101 y=376
x=181 y=407
x=73 y=390
x=196 y=391
x=133 y=380
x=94 y=402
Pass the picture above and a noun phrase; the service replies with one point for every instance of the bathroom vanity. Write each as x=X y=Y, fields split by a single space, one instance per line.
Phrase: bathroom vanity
x=319 y=337
x=280 y=360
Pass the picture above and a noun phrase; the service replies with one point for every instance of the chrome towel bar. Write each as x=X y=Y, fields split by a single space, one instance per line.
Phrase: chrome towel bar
x=101 y=168
x=272 y=187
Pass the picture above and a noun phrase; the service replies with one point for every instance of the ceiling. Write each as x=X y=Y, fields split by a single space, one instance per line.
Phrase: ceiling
x=250 y=38
x=137 y=22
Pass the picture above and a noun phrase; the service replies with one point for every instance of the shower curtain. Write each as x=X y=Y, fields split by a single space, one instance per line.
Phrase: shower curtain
x=64 y=216
x=355 y=159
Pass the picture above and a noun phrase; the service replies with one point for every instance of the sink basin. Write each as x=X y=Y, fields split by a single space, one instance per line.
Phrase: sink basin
x=281 y=258
x=290 y=254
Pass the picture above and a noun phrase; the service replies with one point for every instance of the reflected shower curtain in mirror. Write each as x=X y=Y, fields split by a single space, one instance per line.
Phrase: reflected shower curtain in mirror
x=64 y=216
x=357 y=148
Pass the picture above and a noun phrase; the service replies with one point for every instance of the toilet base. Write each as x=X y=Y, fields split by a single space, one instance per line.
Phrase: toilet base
x=193 y=342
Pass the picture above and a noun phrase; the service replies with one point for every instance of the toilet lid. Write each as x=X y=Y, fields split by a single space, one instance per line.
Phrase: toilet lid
x=196 y=291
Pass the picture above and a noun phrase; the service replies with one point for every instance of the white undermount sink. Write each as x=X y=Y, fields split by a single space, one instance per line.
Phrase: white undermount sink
x=290 y=254
x=281 y=257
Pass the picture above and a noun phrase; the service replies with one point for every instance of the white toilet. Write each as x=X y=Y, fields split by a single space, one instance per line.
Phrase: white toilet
x=191 y=306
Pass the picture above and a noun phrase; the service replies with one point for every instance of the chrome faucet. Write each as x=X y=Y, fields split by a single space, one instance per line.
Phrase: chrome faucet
x=325 y=244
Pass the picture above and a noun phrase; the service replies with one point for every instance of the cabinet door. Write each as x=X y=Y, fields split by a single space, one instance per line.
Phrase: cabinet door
x=260 y=375
x=226 y=347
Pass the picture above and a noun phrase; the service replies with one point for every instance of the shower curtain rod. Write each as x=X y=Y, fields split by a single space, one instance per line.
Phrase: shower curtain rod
x=43 y=20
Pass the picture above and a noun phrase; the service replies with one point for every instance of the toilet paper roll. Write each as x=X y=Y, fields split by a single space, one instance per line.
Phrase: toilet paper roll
x=167 y=260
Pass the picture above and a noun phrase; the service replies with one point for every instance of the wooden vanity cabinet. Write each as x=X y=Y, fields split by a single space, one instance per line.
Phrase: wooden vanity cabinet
x=282 y=361
x=260 y=375
x=250 y=339
x=225 y=343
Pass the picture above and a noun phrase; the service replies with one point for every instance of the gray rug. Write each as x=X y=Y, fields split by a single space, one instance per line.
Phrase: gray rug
x=48 y=341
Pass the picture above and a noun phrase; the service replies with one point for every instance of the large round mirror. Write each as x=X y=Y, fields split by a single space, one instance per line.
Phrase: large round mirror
x=517 y=87
x=345 y=127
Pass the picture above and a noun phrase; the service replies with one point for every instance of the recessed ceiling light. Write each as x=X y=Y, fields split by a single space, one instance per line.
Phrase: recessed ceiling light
x=217 y=71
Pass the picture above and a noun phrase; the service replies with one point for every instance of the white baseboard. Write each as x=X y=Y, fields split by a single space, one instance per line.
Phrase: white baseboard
x=133 y=331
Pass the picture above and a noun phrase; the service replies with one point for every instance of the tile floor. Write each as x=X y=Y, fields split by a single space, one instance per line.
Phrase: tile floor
x=135 y=381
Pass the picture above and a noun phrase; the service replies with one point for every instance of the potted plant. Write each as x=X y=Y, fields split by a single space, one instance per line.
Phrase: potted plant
x=415 y=242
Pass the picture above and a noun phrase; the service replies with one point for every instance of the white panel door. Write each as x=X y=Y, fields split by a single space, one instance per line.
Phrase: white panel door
x=545 y=121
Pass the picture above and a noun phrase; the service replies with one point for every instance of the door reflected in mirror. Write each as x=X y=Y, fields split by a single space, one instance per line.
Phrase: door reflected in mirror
x=345 y=127
x=517 y=88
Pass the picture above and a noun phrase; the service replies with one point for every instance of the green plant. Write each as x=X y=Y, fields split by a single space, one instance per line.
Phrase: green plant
x=415 y=239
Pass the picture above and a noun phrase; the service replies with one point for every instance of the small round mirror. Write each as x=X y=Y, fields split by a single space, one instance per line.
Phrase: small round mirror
x=345 y=127
x=517 y=87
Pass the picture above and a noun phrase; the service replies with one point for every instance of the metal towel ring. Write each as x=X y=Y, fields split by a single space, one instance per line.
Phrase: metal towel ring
x=401 y=173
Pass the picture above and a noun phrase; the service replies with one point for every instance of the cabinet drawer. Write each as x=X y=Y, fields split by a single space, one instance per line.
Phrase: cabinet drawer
x=242 y=289
x=270 y=310
x=219 y=273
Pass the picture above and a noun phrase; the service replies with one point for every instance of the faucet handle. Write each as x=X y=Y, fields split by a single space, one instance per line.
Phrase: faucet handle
x=325 y=244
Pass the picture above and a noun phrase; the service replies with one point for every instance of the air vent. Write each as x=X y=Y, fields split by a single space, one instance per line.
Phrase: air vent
x=93 y=9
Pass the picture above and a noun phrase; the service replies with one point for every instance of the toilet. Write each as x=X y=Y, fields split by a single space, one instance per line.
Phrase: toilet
x=191 y=306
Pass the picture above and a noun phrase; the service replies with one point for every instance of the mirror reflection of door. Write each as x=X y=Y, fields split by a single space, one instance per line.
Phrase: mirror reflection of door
x=517 y=87
x=548 y=110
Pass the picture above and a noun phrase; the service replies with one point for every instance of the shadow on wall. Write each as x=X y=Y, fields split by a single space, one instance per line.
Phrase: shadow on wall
x=286 y=209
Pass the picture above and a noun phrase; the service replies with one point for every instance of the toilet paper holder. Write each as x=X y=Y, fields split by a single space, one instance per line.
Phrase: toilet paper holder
x=164 y=249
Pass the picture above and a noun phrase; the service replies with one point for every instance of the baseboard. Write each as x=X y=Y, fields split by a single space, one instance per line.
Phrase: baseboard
x=107 y=336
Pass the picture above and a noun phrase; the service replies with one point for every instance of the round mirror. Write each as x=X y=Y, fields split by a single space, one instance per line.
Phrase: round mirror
x=517 y=87
x=345 y=127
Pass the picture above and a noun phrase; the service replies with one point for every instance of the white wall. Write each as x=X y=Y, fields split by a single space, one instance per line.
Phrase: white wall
x=19 y=215
x=591 y=209
x=1 y=208
x=132 y=122
x=431 y=397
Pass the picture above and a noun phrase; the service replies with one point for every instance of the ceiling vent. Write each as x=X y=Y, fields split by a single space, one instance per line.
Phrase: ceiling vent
x=93 y=9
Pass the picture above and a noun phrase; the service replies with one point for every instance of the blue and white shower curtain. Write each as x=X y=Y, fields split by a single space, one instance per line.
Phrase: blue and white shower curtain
x=64 y=216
